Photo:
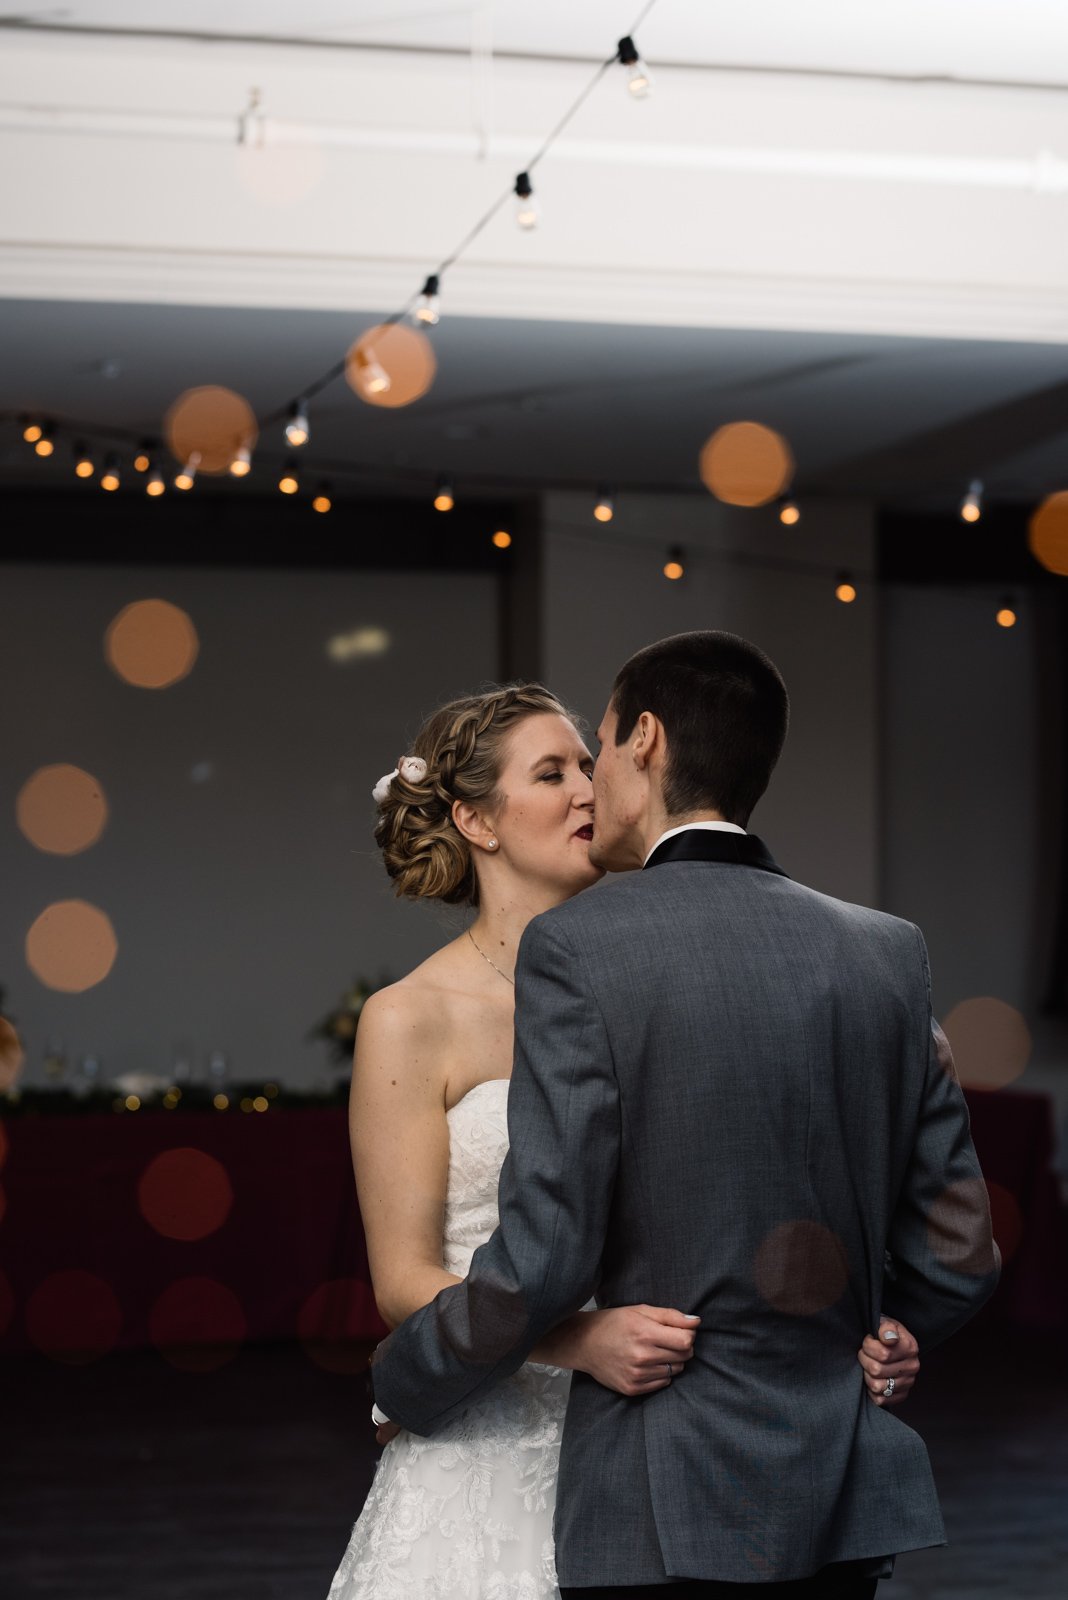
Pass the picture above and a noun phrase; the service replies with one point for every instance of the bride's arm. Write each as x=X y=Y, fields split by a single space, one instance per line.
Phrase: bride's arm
x=631 y=1349
x=400 y=1151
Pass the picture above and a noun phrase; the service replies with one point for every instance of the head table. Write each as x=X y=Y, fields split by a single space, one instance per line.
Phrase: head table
x=198 y=1231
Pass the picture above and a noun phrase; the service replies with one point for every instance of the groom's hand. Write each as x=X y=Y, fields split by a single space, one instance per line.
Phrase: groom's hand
x=891 y=1360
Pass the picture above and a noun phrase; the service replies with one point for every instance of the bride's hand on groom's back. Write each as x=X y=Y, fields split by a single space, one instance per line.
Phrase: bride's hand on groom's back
x=631 y=1349
x=889 y=1362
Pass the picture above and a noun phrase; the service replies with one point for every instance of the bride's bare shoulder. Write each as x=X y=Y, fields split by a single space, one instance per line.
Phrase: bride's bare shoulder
x=421 y=1006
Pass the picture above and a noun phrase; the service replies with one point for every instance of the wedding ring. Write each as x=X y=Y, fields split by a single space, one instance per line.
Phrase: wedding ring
x=889 y=1387
x=671 y=1370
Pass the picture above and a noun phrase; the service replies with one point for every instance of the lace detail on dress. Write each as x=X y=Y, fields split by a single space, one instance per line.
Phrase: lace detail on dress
x=468 y=1514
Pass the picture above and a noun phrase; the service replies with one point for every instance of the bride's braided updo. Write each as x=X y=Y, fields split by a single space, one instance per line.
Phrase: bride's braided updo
x=463 y=746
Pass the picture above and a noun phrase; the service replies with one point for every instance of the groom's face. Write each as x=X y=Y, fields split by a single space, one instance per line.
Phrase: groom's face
x=620 y=791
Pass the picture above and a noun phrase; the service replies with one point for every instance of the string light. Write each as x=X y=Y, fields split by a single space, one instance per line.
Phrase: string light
x=526 y=212
x=502 y=540
x=298 y=428
x=1006 y=614
x=603 y=509
x=846 y=592
x=83 y=461
x=45 y=444
x=142 y=461
x=288 y=481
x=110 y=478
x=673 y=567
x=790 y=514
x=971 y=507
x=155 y=485
x=640 y=82
x=429 y=308
x=241 y=465
x=187 y=476
x=322 y=501
x=375 y=376
x=444 y=499
x=32 y=432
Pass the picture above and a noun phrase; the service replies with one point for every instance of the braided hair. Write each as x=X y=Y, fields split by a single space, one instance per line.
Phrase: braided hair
x=463 y=746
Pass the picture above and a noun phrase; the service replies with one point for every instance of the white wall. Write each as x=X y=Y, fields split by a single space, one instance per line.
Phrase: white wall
x=606 y=597
x=243 y=904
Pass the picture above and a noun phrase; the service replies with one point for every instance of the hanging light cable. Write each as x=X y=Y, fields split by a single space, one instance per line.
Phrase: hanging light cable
x=971 y=507
x=526 y=211
x=298 y=429
x=429 y=308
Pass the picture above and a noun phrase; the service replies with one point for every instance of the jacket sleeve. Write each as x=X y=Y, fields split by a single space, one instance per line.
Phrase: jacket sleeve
x=543 y=1261
x=943 y=1263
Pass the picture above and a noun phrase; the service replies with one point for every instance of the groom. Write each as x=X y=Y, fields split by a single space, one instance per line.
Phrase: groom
x=728 y=1098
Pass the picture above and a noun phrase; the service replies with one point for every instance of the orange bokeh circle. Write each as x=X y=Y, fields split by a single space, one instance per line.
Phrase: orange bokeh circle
x=746 y=464
x=151 y=644
x=73 y=1317
x=801 y=1268
x=197 y=1324
x=71 y=946
x=61 y=809
x=208 y=426
x=12 y=1055
x=404 y=354
x=990 y=1041
x=958 y=1228
x=1006 y=1221
x=1047 y=533
x=338 y=1323
x=185 y=1194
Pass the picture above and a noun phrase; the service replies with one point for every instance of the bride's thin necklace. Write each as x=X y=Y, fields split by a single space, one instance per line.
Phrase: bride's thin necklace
x=485 y=957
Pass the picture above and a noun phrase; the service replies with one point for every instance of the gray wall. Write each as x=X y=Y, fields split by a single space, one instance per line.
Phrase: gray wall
x=245 y=903
x=605 y=597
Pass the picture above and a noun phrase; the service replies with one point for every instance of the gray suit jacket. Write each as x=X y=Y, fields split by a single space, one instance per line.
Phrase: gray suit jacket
x=727 y=1099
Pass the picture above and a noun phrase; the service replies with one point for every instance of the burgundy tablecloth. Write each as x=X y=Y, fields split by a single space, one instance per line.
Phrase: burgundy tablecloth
x=1015 y=1139
x=71 y=1186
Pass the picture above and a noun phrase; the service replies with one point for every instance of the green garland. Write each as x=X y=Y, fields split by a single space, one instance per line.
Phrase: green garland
x=191 y=1097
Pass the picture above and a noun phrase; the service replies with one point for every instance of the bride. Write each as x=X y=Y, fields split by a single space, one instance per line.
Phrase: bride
x=494 y=810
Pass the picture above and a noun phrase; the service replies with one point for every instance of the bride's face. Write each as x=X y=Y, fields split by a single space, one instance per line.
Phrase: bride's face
x=544 y=822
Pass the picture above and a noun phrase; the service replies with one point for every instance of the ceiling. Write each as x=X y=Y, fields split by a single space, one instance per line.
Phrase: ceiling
x=524 y=405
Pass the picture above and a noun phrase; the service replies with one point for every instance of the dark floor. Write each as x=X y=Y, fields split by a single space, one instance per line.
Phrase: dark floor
x=129 y=1480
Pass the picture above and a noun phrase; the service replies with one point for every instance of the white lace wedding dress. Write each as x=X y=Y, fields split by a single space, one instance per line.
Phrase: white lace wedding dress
x=467 y=1515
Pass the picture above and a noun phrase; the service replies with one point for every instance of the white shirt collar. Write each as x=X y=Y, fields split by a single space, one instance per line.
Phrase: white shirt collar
x=713 y=827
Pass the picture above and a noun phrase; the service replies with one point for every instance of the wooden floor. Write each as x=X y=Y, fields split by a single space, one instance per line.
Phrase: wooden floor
x=128 y=1480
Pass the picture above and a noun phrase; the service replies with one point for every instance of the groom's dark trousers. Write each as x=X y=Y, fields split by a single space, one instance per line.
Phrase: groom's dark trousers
x=838 y=1582
x=726 y=1098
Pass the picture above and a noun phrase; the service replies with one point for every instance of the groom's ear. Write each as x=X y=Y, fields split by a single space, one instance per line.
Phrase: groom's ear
x=647 y=740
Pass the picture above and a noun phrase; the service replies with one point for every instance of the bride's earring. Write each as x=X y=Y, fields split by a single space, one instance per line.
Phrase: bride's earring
x=493 y=844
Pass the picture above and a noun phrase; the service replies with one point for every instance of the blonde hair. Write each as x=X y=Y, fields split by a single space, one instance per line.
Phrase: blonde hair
x=463 y=746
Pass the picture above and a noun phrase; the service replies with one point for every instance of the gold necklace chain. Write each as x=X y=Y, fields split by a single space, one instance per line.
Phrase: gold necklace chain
x=485 y=957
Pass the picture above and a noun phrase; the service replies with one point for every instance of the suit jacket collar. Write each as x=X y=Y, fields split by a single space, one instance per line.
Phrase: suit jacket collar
x=704 y=844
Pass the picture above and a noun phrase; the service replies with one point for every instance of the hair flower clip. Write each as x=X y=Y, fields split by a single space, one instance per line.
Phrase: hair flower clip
x=411 y=768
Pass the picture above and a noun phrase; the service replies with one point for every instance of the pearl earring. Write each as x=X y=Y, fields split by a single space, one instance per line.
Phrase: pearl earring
x=493 y=844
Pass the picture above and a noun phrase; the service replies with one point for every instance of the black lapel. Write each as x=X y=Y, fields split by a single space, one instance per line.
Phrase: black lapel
x=715 y=844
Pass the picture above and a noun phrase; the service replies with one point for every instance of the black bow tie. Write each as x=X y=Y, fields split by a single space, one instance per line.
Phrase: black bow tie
x=716 y=844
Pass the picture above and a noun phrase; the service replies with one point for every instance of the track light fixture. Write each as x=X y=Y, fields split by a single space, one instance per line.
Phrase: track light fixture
x=444 y=498
x=971 y=507
x=110 y=477
x=429 y=308
x=83 y=461
x=298 y=429
x=603 y=509
x=526 y=212
x=639 y=80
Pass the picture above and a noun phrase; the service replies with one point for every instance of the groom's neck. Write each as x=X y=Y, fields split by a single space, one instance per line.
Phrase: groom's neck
x=659 y=821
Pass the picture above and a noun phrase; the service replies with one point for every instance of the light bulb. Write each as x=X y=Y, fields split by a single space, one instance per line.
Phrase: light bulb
x=429 y=308
x=155 y=485
x=297 y=428
x=673 y=567
x=141 y=463
x=526 y=211
x=321 y=502
x=444 y=499
x=845 y=592
x=1006 y=614
x=32 y=432
x=971 y=507
x=375 y=377
x=639 y=79
x=790 y=514
x=187 y=476
x=44 y=447
x=288 y=482
x=603 y=509
x=110 y=478
x=83 y=461
x=502 y=540
x=241 y=465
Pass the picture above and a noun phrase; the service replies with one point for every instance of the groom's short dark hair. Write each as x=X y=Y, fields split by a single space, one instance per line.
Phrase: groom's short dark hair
x=725 y=710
